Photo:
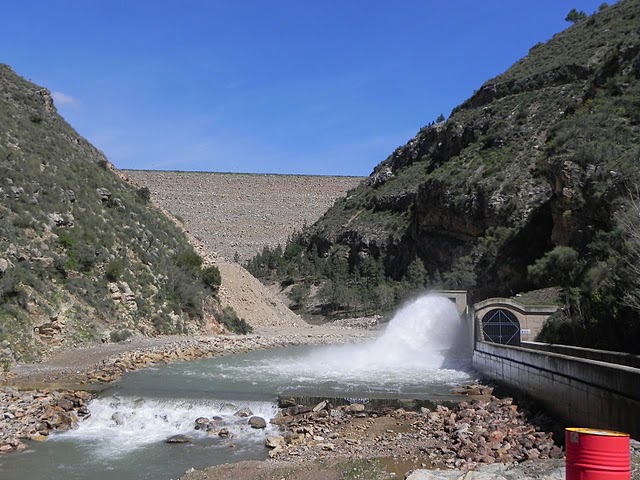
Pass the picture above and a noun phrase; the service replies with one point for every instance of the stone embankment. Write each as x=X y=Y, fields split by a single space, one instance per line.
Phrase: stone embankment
x=33 y=415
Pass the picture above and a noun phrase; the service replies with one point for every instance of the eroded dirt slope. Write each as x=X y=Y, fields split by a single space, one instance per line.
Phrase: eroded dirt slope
x=253 y=302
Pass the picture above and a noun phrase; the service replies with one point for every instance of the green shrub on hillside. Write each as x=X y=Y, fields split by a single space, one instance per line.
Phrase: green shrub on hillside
x=230 y=320
x=211 y=277
x=144 y=194
x=114 y=270
x=559 y=266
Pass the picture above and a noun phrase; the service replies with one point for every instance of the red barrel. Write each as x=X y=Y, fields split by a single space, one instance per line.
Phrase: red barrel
x=597 y=454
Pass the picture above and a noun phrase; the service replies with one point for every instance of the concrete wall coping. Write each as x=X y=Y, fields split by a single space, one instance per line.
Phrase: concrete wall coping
x=619 y=378
x=618 y=358
x=617 y=367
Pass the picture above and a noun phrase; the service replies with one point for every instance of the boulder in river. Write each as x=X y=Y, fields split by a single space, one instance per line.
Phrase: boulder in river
x=118 y=417
x=202 y=423
x=245 y=412
x=274 y=441
x=178 y=439
x=257 y=422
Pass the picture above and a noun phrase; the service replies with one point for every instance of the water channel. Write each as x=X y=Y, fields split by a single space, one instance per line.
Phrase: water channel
x=422 y=353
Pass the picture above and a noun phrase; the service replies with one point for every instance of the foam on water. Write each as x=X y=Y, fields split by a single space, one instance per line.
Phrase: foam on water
x=121 y=425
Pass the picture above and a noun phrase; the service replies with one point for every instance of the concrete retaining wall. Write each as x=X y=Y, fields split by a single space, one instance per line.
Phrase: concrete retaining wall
x=584 y=392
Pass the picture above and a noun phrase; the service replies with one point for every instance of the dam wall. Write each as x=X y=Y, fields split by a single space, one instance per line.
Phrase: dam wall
x=585 y=392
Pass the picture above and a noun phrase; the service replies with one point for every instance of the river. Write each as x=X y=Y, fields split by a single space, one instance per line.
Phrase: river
x=420 y=354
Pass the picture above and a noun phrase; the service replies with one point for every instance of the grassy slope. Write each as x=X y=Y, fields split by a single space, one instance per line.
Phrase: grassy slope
x=62 y=241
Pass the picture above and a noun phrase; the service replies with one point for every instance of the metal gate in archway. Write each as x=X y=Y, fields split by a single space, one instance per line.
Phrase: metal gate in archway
x=501 y=326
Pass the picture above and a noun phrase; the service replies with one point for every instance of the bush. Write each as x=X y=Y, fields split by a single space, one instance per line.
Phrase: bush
x=574 y=16
x=22 y=222
x=144 y=194
x=189 y=259
x=298 y=295
x=560 y=266
x=211 y=277
x=66 y=241
x=5 y=365
x=11 y=288
x=114 y=270
x=187 y=293
x=162 y=324
x=120 y=335
x=230 y=320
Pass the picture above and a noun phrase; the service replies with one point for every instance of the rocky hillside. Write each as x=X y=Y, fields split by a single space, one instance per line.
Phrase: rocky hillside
x=521 y=187
x=83 y=254
x=236 y=215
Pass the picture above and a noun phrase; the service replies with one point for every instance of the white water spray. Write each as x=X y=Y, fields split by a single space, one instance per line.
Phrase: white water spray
x=421 y=336
x=427 y=333
x=422 y=345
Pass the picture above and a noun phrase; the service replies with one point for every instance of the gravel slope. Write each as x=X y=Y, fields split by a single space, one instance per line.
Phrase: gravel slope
x=241 y=213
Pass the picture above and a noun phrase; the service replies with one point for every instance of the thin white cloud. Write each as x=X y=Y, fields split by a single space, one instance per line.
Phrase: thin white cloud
x=63 y=99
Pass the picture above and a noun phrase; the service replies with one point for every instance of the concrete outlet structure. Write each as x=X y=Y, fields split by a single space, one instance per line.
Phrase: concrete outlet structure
x=529 y=319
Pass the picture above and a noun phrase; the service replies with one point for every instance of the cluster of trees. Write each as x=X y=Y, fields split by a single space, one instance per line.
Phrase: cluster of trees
x=600 y=288
x=332 y=285
x=575 y=16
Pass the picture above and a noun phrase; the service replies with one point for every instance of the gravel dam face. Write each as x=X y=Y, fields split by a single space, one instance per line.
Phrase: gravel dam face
x=241 y=213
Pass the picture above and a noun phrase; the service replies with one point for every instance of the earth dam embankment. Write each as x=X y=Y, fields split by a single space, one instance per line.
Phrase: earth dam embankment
x=234 y=213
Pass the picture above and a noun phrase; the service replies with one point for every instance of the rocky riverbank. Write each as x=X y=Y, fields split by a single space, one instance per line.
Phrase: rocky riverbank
x=494 y=439
x=34 y=414
x=462 y=436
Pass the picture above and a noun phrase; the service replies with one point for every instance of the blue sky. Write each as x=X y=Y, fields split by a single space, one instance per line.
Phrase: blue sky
x=280 y=86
